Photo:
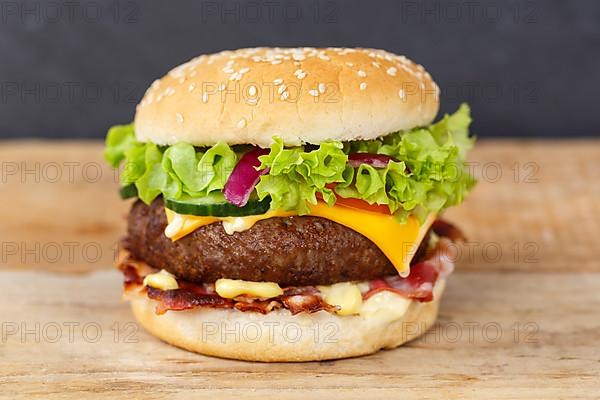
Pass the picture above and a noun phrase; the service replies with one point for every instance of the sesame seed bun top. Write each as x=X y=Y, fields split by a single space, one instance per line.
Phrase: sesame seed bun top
x=302 y=95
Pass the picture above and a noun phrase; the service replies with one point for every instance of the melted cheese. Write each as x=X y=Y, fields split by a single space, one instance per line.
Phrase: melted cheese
x=162 y=280
x=231 y=288
x=182 y=225
x=399 y=242
x=385 y=305
x=346 y=296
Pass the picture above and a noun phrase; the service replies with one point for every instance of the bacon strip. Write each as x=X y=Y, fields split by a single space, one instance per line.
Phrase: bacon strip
x=309 y=303
x=183 y=299
x=418 y=285
x=262 y=307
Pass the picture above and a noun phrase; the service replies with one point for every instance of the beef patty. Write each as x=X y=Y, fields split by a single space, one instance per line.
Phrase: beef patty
x=292 y=251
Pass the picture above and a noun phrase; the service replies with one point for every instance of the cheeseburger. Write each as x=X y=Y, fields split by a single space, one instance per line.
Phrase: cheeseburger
x=288 y=201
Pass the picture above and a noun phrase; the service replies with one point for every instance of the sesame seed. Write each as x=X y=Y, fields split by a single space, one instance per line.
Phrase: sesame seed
x=236 y=76
x=350 y=64
x=422 y=85
x=281 y=89
x=362 y=73
x=275 y=62
x=298 y=56
x=179 y=118
x=252 y=90
x=241 y=123
x=401 y=94
x=222 y=86
x=322 y=88
x=192 y=87
x=324 y=57
x=391 y=71
x=298 y=72
x=404 y=67
x=205 y=97
x=301 y=75
x=228 y=70
x=285 y=95
x=363 y=85
x=244 y=70
x=277 y=81
x=313 y=92
x=376 y=64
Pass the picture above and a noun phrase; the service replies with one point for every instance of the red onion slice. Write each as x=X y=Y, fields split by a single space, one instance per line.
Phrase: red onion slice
x=244 y=177
x=375 y=160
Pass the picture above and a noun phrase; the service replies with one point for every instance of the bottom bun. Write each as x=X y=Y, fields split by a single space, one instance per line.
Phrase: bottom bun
x=279 y=336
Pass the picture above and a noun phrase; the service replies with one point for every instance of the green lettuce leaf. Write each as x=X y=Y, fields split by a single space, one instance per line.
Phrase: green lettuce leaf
x=296 y=176
x=429 y=175
x=168 y=170
x=118 y=140
x=200 y=172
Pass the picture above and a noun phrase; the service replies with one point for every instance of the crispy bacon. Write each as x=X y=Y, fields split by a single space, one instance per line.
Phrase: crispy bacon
x=418 y=285
x=192 y=295
x=184 y=299
x=437 y=263
x=261 y=306
x=130 y=277
x=310 y=303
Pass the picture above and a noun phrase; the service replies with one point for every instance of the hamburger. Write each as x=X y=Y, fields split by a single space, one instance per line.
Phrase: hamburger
x=288 y=202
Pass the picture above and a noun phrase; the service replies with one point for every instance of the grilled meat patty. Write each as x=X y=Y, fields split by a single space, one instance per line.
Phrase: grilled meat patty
x=292 y=251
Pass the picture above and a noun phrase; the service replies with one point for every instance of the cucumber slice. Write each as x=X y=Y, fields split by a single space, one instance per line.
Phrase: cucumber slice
x=215 y=205
x=128 y=191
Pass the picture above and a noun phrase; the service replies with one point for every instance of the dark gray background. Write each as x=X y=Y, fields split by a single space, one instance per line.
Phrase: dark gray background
x=528 y=68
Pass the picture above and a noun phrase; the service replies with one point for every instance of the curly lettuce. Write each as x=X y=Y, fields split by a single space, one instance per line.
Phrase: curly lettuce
x=429 y=173
x=296 y=176
x=168 y=170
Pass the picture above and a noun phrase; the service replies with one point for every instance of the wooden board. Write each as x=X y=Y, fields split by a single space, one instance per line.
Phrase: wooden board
x=66 y=334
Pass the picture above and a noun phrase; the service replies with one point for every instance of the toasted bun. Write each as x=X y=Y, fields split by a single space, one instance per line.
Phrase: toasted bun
x=281 y=337
x=302 y=95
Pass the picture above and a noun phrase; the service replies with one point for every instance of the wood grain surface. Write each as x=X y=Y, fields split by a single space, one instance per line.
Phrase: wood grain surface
x=519 y=319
